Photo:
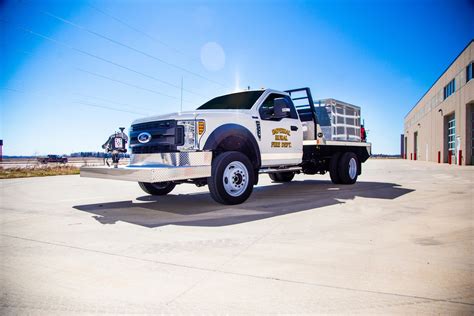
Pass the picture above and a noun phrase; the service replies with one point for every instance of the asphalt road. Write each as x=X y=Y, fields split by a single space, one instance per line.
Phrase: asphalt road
x=401 y=240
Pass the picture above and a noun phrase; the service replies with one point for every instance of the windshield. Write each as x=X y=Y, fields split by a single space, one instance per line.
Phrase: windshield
x=235 y=101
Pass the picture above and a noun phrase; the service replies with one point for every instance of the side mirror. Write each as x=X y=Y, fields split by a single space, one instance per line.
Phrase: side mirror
x=280 y=108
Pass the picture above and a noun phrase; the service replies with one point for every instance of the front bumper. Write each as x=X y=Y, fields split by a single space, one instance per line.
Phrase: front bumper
x=157 y=167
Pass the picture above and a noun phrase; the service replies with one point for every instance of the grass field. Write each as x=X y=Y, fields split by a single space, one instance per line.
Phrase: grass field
x=11 y=173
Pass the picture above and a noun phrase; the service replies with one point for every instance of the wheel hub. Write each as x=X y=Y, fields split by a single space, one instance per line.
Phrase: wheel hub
x=352 y=168
x=235 y=178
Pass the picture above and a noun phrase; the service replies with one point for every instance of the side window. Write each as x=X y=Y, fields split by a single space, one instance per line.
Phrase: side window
x=266 y=108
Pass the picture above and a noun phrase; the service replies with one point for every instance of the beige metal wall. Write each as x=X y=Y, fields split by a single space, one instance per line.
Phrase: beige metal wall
x=429 y=117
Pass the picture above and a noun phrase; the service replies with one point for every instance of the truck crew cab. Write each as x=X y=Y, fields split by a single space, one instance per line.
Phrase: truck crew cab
x=230 y=140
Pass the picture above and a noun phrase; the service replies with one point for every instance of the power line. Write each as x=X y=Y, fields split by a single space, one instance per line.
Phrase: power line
x=114 y=80
x=78 y=102
x=107 y=107
x=129 y=47
x=128 y=84
x=111 y=101
x=81 y=94
x=133 y=28
x=98 y=57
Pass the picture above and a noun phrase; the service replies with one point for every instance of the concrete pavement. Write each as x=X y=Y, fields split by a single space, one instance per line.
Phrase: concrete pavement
x=398 y=241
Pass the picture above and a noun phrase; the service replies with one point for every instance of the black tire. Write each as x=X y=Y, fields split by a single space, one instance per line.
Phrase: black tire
x=158 y=188
x=334 y=168
x=273 y=176
x=232 y=178
x=282 y=176
x=348 y=168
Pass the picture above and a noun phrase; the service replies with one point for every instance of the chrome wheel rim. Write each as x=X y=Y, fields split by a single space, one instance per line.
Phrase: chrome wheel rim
x=235 y=179
x=352 y=168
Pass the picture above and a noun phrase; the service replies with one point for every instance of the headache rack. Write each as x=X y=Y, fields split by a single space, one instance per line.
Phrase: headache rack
x=304 y=104
x=339 y=121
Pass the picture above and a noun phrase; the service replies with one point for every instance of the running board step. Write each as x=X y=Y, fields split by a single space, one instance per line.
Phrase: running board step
x=275 y=170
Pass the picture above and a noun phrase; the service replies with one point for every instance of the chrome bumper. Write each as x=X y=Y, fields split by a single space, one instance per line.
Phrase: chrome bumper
x=157 y=167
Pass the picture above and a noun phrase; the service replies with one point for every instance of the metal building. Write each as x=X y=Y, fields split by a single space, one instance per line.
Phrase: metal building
x=440 y=127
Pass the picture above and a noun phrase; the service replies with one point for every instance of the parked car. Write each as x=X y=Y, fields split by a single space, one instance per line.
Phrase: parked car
x=52 y=158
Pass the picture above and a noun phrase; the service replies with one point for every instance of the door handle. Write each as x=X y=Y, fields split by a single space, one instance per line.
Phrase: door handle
x=294 y=128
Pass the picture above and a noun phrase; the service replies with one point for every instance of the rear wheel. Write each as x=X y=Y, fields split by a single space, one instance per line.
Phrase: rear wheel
x=282 y=176
x=348 y=168
x=232 y=178
x=334 y=168
x=158 y=188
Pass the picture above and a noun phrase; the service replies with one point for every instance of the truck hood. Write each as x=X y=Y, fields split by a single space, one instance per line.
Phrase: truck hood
x=192 y=115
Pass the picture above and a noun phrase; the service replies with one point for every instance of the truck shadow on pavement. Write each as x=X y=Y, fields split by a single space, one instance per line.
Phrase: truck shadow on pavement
x=266 y=201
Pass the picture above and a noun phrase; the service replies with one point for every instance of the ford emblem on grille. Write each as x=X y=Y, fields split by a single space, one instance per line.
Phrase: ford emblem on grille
x=144 y=137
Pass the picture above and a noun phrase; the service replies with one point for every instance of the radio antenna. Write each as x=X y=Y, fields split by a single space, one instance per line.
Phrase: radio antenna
x=181 y=93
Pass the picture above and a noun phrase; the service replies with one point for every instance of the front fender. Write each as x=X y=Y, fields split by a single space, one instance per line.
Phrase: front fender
x=234 y=130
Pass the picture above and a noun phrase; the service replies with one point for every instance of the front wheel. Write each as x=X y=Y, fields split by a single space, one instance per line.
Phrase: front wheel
x=232 y=178
x=157 y=188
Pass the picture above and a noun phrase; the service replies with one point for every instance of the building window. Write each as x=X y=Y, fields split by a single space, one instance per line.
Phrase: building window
x=469 y=71
x=449 y=89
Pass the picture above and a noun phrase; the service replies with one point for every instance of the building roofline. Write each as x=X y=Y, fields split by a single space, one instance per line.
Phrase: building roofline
x=468 y=44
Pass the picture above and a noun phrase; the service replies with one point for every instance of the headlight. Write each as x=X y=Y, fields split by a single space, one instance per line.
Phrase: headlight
x=193 y=130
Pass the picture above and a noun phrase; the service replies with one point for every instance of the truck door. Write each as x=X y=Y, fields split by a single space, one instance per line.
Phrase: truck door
x=281 y=134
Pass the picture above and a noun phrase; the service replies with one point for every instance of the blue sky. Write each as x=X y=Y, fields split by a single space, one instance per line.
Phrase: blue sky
x=71 y=73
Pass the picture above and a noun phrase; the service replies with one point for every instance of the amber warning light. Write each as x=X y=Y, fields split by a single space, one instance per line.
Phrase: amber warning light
x=201 y=127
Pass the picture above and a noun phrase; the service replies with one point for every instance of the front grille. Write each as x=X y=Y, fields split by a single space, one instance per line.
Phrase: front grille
x=153 y=125
x=165 y=137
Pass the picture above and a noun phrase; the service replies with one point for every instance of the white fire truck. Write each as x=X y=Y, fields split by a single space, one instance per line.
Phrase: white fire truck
x=232 y=139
